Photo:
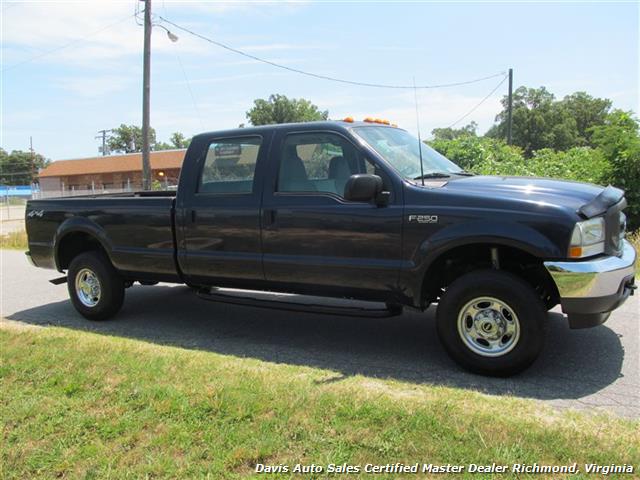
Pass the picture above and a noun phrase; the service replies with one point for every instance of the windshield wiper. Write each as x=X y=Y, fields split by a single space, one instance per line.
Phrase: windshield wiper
x=432 y=175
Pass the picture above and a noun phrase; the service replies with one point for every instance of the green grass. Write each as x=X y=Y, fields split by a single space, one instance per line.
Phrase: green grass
x=634 y=238
x=82 y=405
x=14 y=240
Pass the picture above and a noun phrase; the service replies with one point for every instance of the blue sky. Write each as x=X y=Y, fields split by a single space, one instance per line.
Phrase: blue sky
x=63 y=98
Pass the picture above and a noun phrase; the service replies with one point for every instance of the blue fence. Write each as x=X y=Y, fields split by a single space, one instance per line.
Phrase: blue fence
x=17 y=191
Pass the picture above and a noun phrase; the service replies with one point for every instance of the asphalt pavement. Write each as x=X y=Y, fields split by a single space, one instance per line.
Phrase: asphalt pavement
x=595 y=369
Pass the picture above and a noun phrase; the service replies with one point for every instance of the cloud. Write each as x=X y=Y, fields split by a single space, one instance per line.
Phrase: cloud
x=95 y=86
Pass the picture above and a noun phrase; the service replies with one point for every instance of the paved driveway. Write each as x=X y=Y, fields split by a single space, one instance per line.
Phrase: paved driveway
x=597 y=368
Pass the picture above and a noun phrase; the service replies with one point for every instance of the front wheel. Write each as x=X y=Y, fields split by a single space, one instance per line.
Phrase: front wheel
x=491 y=322
x=95 y=288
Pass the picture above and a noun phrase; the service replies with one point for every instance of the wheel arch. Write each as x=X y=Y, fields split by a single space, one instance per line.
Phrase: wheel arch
x=465 y=255
x=78 y=235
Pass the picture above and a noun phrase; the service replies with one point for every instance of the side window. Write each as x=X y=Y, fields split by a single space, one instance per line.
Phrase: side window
x=317 y=162
x=230 y=166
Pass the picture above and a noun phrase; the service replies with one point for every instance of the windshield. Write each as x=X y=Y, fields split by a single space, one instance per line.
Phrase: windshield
x=400 y=149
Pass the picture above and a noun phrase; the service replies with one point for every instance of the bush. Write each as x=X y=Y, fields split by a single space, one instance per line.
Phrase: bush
x=482 y=155
x=615 y=162
x=582 y=164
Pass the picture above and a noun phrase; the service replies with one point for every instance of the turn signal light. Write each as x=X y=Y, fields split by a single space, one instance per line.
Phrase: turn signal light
x=377 y=120
x=575 y=252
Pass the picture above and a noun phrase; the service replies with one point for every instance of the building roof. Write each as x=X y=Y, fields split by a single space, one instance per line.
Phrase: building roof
x=130 y=162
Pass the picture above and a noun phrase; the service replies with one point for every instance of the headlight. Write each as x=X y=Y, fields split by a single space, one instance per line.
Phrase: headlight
x=587 y=238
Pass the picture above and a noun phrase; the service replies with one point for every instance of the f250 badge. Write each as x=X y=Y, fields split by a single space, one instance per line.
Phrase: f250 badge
x=423 y=219
x=35 y=213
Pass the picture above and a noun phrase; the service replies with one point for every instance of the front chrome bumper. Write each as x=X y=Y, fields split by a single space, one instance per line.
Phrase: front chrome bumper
x=589 y=290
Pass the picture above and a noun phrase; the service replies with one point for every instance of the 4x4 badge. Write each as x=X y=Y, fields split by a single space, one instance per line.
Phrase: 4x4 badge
x=423 y=219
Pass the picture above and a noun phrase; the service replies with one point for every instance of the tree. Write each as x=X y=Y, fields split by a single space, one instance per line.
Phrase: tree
x=179 y=141
x=128 y=139
x=280 y=109
x=537 y=122
x=540 y=121
x=449 y=133
x=619 y=141
x=588 y=112
x=19 y=168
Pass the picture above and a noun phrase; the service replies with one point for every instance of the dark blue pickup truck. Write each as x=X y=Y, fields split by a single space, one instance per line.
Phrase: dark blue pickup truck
x=355 y=210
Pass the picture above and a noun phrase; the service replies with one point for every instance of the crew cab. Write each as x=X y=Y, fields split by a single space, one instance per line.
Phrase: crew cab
x=357 y=210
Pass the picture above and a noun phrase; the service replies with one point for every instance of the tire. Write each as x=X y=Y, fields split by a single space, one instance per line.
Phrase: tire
x=91 y=268
x=491 y=322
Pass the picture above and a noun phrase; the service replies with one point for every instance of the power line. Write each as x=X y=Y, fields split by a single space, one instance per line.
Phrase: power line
x=193 y=98
x=479 y=103
x=319 y=76
x=67 y=45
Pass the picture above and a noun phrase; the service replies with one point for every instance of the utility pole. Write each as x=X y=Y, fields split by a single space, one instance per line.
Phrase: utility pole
x=104 y=140
x=146 y=92
x=510 y=107
x=33 y=161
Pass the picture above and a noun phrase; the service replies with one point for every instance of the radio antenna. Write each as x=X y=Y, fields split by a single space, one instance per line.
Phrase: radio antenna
x=415 y=96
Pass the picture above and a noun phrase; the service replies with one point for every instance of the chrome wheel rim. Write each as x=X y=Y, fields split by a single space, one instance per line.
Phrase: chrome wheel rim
x=88 y=287
x=488 y=326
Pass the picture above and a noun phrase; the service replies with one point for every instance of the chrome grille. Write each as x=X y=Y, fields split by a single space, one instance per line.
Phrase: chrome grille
x=615 y=228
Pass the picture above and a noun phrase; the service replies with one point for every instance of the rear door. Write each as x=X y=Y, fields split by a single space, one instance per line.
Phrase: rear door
x=221 y=218
x=313 y=238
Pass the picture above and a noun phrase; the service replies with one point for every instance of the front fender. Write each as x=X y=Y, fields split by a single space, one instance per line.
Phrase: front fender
x=80 y=225
x=509 y=234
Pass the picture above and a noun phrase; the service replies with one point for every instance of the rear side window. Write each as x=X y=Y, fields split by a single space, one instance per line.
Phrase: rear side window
x=230 y=165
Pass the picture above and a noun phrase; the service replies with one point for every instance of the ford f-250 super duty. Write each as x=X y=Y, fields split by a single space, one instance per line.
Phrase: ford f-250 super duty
x=356 y=210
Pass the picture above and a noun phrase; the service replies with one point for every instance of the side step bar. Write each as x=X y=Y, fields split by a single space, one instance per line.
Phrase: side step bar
x=215 y=295
x=58 y=281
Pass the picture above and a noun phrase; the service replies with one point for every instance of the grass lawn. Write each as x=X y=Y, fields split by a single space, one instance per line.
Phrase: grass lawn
x=82 y=405
x=14 y=240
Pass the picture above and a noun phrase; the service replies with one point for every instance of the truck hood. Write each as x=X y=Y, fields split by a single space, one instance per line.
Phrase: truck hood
x=585 y=198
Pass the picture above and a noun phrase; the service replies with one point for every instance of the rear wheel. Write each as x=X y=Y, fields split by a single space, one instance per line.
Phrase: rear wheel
x=95 y=288
x=491 y=322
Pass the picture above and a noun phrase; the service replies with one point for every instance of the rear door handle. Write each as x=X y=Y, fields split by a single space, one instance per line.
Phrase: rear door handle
x=268 y=217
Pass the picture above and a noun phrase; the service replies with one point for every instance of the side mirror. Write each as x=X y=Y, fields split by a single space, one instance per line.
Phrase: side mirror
x=363 y=187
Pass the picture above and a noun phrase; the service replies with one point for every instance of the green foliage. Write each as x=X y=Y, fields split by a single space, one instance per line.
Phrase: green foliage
x=619 y=141
x=19 y=168
x=178 y=140
x=488 y=156
x=85 y=405
x=483 y=155
x=540 y=121
x=128 y=139
x=280 y=109
x=587 y=112
x=582 y=164
x=451 y=133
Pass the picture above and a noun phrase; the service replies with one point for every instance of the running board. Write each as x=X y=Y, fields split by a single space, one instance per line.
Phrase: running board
x=58 y=281
x=247 y=300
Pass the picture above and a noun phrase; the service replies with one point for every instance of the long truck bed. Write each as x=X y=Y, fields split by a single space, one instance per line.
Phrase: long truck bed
x=137 y=229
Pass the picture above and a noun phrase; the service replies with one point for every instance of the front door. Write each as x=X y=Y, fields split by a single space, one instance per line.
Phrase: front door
x=313 y=238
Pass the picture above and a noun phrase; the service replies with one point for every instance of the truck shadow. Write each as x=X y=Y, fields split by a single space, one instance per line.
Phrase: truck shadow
x=573 y=365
